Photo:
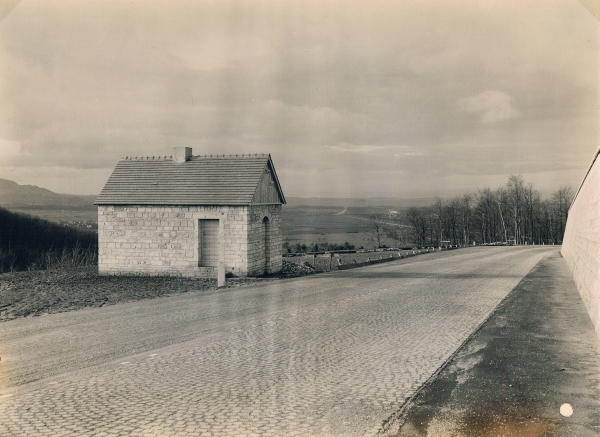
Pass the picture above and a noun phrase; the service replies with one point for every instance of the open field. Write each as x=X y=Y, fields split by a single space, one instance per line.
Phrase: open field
x=310 y=224
x=300 y=224
x=85 y=217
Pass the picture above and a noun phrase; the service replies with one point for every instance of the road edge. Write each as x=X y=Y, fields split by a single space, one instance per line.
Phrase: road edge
x=391 y=426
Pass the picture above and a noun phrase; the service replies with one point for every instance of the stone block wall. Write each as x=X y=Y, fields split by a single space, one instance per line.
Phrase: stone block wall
x=264 y=240
x=159 y=240
x=324 y=263
x=581 y=242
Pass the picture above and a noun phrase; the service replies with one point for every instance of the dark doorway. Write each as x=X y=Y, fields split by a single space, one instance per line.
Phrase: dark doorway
x=208 y=246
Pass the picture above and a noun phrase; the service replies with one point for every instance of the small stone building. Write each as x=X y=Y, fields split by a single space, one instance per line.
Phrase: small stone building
x=185 y=215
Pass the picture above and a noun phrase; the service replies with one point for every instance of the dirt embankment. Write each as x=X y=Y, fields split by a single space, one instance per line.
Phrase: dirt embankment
x=34 y=293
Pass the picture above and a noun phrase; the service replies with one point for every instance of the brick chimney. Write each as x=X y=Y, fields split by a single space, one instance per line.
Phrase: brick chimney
x=182 y=154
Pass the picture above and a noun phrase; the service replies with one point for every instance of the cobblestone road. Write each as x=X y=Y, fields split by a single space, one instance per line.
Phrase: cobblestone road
x=328 y=355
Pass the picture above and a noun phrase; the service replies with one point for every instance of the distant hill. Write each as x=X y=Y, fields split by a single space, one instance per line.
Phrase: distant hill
x=366 y=202
x=15 y=195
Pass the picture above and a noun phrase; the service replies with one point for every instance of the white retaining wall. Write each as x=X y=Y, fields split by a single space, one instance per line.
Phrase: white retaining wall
x=581 y=243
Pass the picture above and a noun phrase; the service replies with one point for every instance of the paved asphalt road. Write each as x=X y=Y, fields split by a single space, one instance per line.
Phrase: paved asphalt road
x=334 y=354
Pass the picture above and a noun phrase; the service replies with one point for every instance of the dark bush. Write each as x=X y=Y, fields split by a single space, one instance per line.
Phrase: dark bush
x=30 y=243
x=316 y=247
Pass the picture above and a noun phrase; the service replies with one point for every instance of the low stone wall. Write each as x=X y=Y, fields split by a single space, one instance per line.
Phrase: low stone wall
x=581 y=242
x=325 y=262
x=345 y=259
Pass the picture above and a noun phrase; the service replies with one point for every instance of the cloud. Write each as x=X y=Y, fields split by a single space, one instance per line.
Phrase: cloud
x=398 y=150
x=9 y=148
x=367 y=148
x=348 y=93
x=491 y=106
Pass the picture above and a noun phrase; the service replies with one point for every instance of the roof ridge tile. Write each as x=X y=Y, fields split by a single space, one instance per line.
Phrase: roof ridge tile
x=221 y=179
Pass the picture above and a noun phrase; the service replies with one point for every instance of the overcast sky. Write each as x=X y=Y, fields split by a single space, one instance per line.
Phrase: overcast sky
x=366 y=98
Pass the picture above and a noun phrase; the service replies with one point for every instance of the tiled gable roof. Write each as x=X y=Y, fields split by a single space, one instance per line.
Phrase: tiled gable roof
x=202 y=180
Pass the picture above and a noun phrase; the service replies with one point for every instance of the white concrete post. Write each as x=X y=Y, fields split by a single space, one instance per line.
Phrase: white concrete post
x=221 y=275
x=221 y=266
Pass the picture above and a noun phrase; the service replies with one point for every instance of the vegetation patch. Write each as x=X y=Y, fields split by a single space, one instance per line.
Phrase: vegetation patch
x=512 y=214
x=29 y=243
x=34 y=293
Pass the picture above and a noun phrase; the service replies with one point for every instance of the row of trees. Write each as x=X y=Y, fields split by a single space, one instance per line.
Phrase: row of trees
x=514 y=213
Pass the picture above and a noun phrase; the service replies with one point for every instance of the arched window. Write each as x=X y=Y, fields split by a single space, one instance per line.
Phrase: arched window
x=267 y=244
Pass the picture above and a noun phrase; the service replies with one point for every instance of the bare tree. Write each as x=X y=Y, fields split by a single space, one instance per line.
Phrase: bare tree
x=513 y=212
x=394 y=231
x=561 y=202
x=532 y=213
x=515 y=189
x=377 y=228
x=487 y=214
x=438 y=222
x=420 y=225
x=501 y=201
x=452 y=217
x=465 y=218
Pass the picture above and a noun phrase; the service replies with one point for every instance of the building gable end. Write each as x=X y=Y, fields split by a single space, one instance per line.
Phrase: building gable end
x=267 y=189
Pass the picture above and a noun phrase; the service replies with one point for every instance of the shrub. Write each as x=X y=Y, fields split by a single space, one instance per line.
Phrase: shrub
x=31 y=243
